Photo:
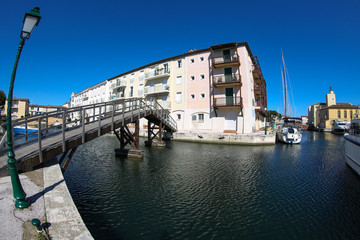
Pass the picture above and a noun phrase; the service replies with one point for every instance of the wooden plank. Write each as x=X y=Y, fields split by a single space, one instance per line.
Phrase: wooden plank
x=39 y=141
x=74 y=136
x=63 y=131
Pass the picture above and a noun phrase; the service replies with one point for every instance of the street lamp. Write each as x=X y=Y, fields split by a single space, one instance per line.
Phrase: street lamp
x=265 y=119
x=31 y=20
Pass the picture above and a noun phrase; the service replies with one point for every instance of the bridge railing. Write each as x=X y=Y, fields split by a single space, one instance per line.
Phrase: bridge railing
x=26 y=130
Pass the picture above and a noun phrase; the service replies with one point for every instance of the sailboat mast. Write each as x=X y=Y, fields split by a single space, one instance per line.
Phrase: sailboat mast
x=285 y=86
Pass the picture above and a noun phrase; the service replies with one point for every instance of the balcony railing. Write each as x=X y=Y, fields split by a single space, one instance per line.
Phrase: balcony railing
x=224 y=79
x=157 y=89
x=226 y=59
x=166 y=104
x=228 y=102
x=116 y=96
x=157 y=73
x=121 y=83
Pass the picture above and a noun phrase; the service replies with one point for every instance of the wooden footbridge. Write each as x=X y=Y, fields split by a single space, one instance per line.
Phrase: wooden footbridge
x=78 y=125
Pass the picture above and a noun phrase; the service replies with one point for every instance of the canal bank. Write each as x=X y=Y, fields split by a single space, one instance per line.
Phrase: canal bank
x=258 y=138
x=51 y=203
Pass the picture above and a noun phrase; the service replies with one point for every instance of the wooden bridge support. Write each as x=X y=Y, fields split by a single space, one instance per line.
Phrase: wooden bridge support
x=155 y=138
x=126 y=137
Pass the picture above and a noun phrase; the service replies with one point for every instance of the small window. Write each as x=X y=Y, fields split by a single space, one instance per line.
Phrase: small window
x=192 y=78
x=194 y=117
x=192 y=60
x=201 y=59
x=178 y=116
x=339 y=114
x=178 y=80
x=202 y=95
x=202 y=76
x=201 y=117
x=192 y=96
x=179 y=64
x=345 y=114
x=178 y=97
x=351 y=115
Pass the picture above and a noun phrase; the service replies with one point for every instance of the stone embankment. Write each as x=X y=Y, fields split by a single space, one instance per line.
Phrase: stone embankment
x=51 y=203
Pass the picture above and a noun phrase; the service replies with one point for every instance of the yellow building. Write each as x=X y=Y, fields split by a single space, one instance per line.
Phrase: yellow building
x=19 y=109
x=334 y=111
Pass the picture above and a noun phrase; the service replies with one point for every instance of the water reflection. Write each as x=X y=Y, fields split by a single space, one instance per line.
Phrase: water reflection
x=189 y=190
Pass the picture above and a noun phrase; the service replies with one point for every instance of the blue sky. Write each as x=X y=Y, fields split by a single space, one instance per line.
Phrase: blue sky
x=80 y=43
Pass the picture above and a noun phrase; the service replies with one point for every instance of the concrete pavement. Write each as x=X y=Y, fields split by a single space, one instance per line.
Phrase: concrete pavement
x=51 y=203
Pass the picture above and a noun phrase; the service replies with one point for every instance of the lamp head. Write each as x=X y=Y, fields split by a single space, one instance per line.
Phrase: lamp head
x=31 y=19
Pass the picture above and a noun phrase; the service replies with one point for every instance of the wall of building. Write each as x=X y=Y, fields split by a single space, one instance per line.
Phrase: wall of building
x=19 y=109
x=189 y=91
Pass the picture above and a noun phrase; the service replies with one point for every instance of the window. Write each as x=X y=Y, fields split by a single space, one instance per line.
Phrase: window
x=192 y=60
x=142 y=75
x=178 y=97
x=192 y=96
x=178 y=80
x=201 y=59
x=202 y=95
x=132 y=78
x=351 y=115
x=192 y=78
x=166 y=68
x=202 y=76
x=194 y=117
x=178 y=116
x=131 y=91
x=339 y=114
x=201 y=117
x=345 y=114
x=179 y=64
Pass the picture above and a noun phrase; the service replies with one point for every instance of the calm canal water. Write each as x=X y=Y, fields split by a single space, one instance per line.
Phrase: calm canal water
x=206 y=191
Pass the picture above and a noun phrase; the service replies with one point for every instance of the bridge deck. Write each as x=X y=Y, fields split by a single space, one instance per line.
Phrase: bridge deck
x=28 y=155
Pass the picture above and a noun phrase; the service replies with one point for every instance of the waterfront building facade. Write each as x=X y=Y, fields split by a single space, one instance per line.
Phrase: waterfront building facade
x=19 y=108
x=322 y=115
x=39 y=109
x=220 y=89
x=91 y=95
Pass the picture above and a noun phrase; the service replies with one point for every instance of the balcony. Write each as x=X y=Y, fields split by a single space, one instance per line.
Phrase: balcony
x=165 y=104
x=161 y=89
x=157 y=73
x=116 y=96
x=118 y=84
x=257 y=89
x=226 y=61
x=259 y=107
x=225 y=80
x=227 y=102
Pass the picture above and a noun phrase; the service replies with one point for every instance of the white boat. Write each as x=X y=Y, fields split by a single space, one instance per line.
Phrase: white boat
x=352 y=145
x=289 y=132
x=340 y=127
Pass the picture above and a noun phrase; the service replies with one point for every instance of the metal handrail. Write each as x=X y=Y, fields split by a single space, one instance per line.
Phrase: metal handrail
x=227 y=101
x=84 y=115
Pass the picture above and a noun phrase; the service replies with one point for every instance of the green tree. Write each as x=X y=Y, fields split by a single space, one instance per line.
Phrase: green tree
x=2 y=98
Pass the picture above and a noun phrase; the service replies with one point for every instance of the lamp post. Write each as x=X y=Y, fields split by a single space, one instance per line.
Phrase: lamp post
x=265 y=119
x=31 y=20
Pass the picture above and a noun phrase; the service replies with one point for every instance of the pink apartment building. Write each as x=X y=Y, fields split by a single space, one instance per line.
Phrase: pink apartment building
x=226 y=91
x=220 y=89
